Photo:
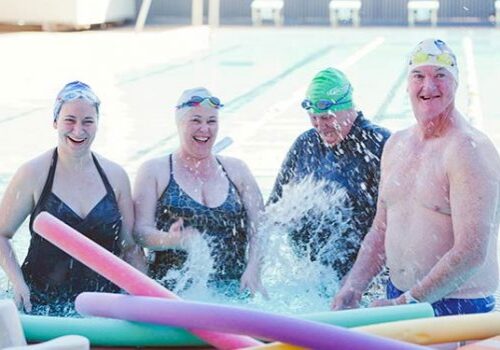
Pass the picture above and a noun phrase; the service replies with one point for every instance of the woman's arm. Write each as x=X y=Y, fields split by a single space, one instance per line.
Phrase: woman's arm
x=254 y=205
x=131 y=251
x=145 y=197
x=17 y=203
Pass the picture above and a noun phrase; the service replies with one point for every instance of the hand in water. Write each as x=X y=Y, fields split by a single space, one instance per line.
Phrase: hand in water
x=251 y=280
x=22 y=296
x=346 y=298
x=387 y=302
x=179 y=236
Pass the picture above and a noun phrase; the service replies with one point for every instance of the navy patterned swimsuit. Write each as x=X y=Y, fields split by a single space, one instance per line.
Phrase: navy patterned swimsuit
x=55 y=278
x=353 y=164
x=224 y=226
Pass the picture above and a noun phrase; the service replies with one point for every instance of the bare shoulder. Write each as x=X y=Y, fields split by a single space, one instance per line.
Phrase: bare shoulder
x=114 y=171
x=399 y=136
x=39 y=162
x=155 y=166
x=235 y=167
x=35 y=170
x=471 y=147
x=396 y=139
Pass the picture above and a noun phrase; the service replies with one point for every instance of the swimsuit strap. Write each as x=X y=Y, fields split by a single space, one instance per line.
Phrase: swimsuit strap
x=228 y=177
x=104 y=178
x=47 y=188
x=170 y=162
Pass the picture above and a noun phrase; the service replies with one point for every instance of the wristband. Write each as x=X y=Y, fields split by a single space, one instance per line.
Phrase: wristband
x=410 y=299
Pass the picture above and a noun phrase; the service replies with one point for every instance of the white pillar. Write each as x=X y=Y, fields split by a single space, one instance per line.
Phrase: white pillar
x=143 y=14
x=197 y=13
x=497 y=13
x=214 y=13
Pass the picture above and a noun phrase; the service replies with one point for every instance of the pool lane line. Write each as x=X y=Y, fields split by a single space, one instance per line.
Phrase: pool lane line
x=237 y=102
x=474 y=110
x=137 y=78
x=20 y=115
x=396 y=85
x=282 y=106
x=170 y=67
x=359 y=54
x=221 y=145
x=241 y=100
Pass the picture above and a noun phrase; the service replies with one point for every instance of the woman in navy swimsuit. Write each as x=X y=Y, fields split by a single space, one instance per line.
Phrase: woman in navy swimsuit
x=192 y=192
x=86 y=191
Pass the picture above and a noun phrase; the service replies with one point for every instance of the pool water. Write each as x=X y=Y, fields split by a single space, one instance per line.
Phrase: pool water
x=259 y=74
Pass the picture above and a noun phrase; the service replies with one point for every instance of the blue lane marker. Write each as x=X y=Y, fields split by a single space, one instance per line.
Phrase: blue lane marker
x=170 y=67
x=20 y=115
x=238 y=102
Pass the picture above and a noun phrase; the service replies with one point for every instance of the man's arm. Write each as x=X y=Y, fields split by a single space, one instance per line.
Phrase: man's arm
x=370 y=260
x=371 y=256
x=474 y=187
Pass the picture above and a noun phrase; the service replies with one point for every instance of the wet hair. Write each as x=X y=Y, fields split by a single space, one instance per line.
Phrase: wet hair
x=74 y=91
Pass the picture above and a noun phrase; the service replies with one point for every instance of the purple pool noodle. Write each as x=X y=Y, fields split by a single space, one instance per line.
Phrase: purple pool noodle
x=234 y=320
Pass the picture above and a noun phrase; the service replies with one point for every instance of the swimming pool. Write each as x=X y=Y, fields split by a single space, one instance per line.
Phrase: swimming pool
x=259 y=73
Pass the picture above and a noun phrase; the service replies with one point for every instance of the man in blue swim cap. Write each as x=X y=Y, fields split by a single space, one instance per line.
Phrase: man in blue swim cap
x=438 y=213
x=342 y=150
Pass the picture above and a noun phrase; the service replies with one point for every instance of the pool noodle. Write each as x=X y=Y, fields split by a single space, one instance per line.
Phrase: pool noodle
x=120 y=273
x=445 y=329
x=232 y=319
x=106 y=331
x=111 y=332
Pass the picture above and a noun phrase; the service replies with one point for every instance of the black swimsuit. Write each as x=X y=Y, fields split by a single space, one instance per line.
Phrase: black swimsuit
x=224 y=226
x=55 y=278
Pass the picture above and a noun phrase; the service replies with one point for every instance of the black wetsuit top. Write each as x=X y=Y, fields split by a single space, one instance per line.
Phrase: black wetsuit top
x=224 y=227
x=354 y=164
x=55 y=278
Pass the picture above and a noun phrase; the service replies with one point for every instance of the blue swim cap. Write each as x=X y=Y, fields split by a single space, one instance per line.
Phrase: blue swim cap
x=73 y=91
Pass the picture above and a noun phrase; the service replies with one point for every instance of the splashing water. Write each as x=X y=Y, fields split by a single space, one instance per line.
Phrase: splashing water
x=195 y=273
x=295 y=283
x=300 y=283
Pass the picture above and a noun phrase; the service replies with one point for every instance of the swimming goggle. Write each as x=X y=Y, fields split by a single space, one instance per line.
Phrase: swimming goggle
x=444 y=58
x=73 y=91
x=326 y=104
x=197 y=100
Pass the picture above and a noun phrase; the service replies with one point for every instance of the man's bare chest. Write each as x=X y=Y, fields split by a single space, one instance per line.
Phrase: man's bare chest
x=417 y=178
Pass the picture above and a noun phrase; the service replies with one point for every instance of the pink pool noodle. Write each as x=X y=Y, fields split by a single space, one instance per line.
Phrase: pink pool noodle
x=231 y=319
x=120 y=273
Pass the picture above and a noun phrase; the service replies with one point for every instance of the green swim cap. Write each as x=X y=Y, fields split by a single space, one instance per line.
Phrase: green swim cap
x=329 y=85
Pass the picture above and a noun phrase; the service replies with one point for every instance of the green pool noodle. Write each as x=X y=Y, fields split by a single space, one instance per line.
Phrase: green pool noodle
x=373 y=315
x=106 y=332
x=110 y=332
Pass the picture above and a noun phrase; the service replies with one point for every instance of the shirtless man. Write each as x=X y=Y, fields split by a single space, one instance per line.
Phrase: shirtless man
x=437 y=217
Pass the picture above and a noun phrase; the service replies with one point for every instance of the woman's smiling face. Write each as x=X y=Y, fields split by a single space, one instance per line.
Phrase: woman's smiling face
x=76 y=125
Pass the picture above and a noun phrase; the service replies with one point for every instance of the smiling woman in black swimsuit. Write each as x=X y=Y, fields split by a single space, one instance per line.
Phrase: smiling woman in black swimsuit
x=86 y=191
x=192 y=192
